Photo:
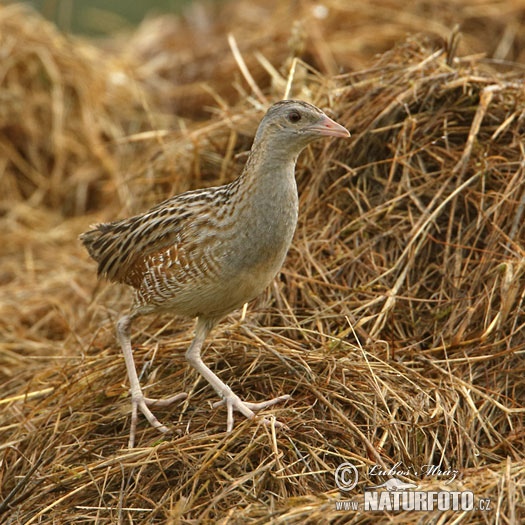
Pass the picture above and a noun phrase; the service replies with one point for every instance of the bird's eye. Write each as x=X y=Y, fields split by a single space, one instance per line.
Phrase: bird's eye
x=294 y=116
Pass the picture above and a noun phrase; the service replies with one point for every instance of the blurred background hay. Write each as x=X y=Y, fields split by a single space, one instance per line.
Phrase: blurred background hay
x=396 y=323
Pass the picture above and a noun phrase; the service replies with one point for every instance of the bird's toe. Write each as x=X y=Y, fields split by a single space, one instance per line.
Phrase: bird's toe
x=233 y=402
x=164 y=402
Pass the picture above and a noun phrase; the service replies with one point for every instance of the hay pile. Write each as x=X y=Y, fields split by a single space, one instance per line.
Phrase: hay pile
x=396 y=323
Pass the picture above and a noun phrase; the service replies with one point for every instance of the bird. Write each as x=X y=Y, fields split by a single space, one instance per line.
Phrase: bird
x=206 y=252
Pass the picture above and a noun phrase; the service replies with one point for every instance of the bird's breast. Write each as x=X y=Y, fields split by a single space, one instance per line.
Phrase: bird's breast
x=265 y=225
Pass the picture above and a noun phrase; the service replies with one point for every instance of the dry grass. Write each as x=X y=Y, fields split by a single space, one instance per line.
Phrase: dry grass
x=397 y=323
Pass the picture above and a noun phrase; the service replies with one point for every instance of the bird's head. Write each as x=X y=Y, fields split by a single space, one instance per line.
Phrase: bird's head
x=293 y=124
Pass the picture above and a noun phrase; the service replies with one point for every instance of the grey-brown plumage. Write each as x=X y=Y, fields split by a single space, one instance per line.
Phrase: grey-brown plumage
x=207 y=252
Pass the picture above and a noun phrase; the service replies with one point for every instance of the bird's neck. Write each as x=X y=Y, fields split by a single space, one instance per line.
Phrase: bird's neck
x=266 y=207
x=266 y=197
x=270 y=169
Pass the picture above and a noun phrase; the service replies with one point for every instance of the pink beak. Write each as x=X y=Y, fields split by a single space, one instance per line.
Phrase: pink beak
x=327 y=126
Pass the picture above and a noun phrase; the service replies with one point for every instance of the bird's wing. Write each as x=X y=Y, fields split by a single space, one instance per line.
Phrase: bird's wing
x=122 y=248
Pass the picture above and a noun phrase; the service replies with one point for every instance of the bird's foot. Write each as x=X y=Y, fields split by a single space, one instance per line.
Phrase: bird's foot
x=233 y=401
x=142 y=403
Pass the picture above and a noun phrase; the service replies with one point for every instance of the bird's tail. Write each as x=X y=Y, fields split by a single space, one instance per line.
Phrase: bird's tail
x=103 y=245
x=89 y=240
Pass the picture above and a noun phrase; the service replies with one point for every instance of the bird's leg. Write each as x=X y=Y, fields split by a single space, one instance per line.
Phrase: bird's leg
x=231 y=400
x=138 y=400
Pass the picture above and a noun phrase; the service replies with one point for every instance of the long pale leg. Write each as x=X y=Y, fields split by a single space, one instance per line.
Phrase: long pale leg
x=231 y=400
x=138 y=400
